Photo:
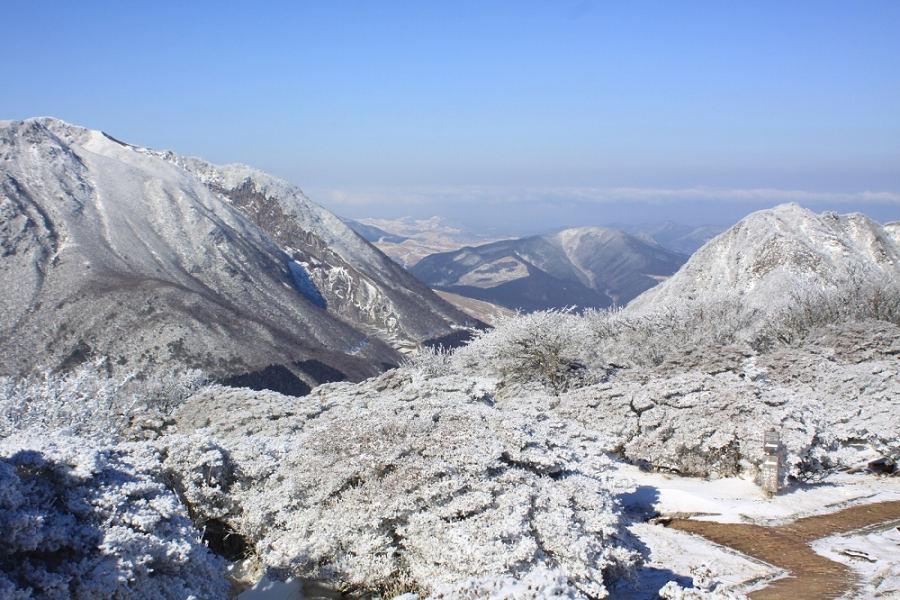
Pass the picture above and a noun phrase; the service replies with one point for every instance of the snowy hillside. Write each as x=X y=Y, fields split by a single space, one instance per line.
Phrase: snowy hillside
x=586 y=267
x=163 y=263
x=540 y=460
x=772 y=250
x=357 y=281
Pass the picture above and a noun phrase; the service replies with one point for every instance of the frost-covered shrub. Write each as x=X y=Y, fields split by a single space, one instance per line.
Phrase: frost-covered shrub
x=553 y=348
x=812 y=306
x=400 y=483
x=539 y=585
x=431 y=362
x=83 y=522
x=88 y=402
x=162 y=393
x=650 y=338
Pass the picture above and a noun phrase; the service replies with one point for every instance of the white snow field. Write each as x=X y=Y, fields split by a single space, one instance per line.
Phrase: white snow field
x=872 y=554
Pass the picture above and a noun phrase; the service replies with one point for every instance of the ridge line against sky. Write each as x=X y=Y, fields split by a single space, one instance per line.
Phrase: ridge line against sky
x=572 y=103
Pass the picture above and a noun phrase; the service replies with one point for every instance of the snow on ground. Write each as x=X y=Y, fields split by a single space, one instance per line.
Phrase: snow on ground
x=739 y=500
x=872 y=553
x=672 y=555
x=691 y=560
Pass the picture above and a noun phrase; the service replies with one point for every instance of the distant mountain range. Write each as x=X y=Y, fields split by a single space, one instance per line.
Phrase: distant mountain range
x=772 y=250
x=587 y=267
x=158 y=261
x=408 y=240
x=685 y=239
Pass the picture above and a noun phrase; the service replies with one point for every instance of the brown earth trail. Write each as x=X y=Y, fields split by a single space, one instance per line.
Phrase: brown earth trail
x=811 y=575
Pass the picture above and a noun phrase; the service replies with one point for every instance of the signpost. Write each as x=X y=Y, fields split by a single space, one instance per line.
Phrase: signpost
x=771 y=466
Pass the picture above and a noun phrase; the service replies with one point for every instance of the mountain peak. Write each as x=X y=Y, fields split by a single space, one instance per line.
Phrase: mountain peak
x=778 y=247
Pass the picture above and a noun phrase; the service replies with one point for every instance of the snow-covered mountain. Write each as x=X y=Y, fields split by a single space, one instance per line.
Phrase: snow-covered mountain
x=686 y=239
x=776 y=249
x=358 y=282
x=159 y=262
x=585 y=266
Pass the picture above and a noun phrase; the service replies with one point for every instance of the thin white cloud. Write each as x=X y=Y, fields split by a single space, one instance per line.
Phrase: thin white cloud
x=504 y=195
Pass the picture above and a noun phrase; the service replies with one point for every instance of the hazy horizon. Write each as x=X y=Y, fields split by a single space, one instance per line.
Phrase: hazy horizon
x=517 y=116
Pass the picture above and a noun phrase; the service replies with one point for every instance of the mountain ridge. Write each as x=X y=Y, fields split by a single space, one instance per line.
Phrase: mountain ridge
x=588 y=267
x=778 y=247
x=129 y=253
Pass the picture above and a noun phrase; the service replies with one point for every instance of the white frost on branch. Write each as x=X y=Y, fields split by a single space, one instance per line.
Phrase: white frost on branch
x=88 y=522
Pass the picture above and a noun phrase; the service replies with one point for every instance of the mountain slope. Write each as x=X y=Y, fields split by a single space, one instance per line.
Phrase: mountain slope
x=374 y=234
x=358 y=282
x=586 y=267
x=772 y=250
x=141 y=256
x=481 y=310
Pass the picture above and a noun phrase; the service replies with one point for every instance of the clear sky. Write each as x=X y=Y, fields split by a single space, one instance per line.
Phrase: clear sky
x=529 y=112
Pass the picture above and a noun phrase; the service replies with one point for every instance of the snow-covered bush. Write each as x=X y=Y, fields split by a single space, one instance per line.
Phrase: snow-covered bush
x=812 y=306
x=553 y=348
x=402 y=484
x=539 y=585
x=650 y=338
x=431 y=361
x=82 y=522
x=88 y=402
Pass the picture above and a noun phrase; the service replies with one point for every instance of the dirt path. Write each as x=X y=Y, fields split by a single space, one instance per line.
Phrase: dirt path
x=812 y=576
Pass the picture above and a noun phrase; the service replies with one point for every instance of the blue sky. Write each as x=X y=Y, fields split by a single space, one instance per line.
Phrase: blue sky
x=390 y=108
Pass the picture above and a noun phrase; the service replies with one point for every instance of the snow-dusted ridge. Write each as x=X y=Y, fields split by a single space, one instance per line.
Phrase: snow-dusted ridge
x=159 y=261
x=770 y=250
x=588 y=267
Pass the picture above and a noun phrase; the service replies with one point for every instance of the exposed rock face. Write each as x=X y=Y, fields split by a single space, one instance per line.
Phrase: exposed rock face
x=118 y=251
x=771 y=250
x=587 y=267
x=356 y=281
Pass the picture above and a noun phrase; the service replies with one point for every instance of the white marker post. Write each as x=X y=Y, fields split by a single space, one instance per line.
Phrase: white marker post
x=771 y=466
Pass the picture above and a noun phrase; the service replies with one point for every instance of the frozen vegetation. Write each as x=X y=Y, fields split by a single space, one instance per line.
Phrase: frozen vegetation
x=83 y=521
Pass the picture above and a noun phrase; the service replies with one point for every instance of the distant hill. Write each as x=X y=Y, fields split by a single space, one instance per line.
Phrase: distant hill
x=408 y=240
x=772 y=250
x=586 y=267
